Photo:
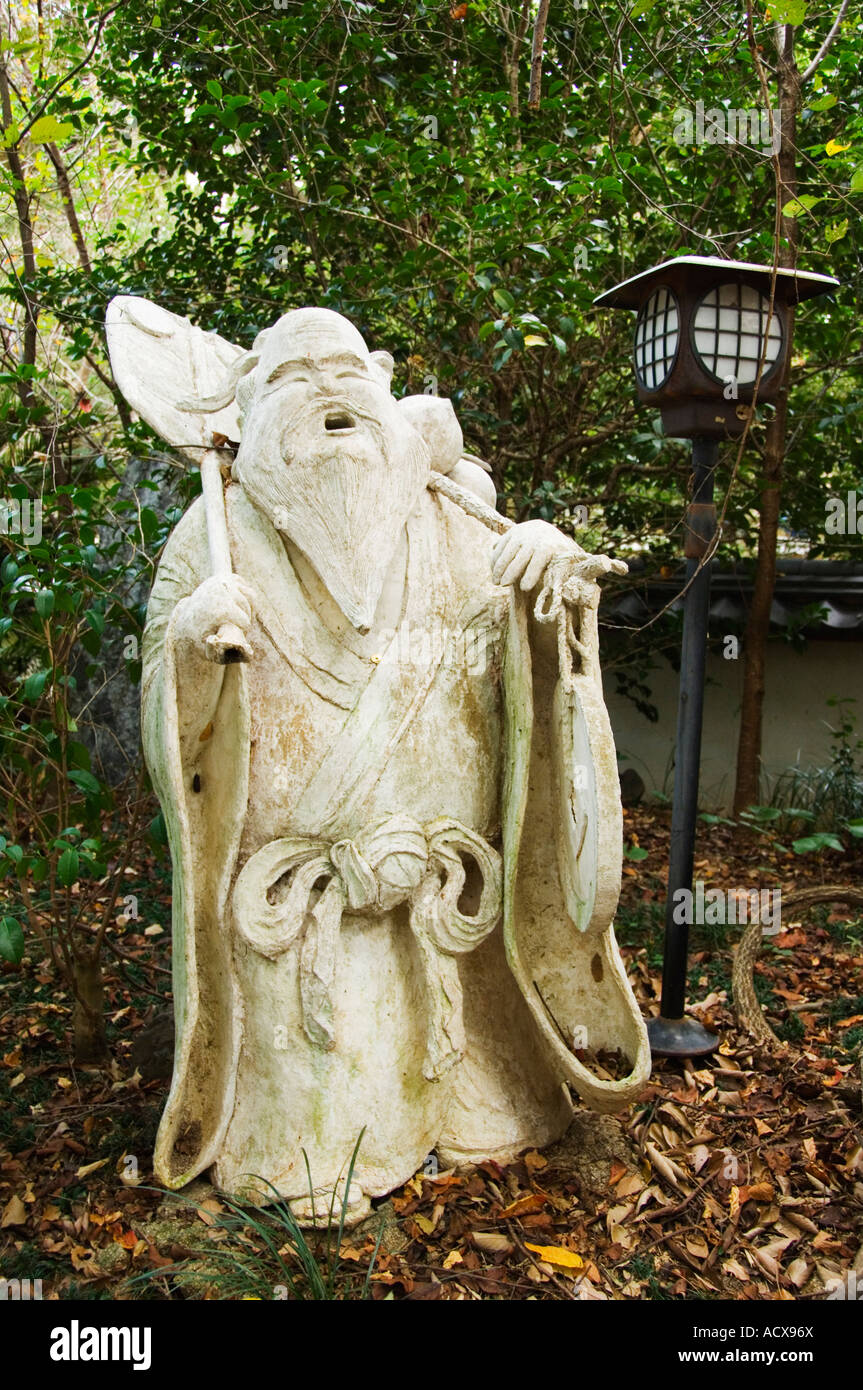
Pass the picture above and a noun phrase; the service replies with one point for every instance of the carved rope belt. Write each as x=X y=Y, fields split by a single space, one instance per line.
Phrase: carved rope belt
x=292 y=893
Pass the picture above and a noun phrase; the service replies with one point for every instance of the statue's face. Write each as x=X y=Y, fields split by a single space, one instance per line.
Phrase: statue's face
x=321 y=387
x=328 y=457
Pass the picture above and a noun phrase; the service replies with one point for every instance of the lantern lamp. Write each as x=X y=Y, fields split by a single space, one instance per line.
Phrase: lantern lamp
x=704 y=326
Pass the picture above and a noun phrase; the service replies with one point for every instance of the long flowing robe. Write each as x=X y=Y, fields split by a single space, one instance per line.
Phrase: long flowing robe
x=464 y=715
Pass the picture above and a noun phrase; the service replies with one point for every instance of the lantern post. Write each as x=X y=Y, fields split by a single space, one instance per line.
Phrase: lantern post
x=710 y=339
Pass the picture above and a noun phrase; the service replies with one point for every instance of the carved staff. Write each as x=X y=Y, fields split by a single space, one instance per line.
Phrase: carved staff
x=229 y=644
x=591 y=567
x=159 y=360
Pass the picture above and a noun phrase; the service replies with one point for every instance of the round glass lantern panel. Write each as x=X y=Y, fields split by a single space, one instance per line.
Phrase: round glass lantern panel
x=729 y=329
x=657 y=333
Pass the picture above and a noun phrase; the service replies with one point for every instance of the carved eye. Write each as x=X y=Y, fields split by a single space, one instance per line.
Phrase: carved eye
x=286 y=378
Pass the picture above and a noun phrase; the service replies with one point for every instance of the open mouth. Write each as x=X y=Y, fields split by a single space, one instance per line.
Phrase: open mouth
x=339 y=422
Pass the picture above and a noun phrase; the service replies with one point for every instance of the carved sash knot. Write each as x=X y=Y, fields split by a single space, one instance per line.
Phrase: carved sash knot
x=292 y=893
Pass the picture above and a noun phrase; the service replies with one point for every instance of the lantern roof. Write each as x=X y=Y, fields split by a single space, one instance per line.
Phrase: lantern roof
x=793 y=285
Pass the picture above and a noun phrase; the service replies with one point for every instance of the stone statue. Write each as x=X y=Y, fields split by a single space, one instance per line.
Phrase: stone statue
x=373 y=715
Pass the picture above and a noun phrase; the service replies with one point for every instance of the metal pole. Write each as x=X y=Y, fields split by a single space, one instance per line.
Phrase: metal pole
x=672 y=1034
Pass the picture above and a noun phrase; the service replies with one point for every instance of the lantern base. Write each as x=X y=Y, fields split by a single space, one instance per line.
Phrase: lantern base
x=714 y=419
x=680 y=1037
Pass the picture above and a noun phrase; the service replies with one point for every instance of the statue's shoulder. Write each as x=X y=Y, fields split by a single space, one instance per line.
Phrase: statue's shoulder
x=191 y=526
x=459 y=522
x=186 y=549
x=466 y=540
x=193 y=521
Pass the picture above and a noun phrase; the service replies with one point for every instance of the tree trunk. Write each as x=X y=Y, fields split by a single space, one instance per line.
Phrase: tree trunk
x=747 y=788
x=23 y=211
x=88 y=1011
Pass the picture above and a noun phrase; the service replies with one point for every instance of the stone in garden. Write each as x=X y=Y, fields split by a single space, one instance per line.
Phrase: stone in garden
x=396 y=828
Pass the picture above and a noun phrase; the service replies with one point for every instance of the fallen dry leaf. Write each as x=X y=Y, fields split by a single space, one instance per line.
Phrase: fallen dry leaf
x=208 y=1211
x=698 y=1157
x=83 y=1260
x=798 y=1271
x=533 y=1161
x=492 y=1243
x=556 y=1255
x=90 y=1167
x=664 y=1166
x=534 y=1201
x=14 y=1213
x=757 y=1192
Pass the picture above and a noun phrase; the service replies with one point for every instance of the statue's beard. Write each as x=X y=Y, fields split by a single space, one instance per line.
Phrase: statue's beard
x=343 y=500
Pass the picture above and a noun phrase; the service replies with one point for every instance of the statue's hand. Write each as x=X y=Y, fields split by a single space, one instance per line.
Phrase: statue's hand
x=213 y=603
x=522 y=553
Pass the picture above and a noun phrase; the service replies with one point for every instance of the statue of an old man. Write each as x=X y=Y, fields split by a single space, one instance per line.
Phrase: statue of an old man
x=395 y=828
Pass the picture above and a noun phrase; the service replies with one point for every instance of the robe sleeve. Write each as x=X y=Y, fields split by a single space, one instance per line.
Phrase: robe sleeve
x=562 y=828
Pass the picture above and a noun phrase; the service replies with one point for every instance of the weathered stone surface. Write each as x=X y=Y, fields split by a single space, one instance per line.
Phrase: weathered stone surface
x=373 y=713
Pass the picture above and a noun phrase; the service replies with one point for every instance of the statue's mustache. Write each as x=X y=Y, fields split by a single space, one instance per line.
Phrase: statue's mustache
x=333 y=413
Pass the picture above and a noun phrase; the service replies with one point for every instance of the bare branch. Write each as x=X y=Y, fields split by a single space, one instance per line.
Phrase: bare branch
x=21 y=197
x=827 y=44
x=69 y=205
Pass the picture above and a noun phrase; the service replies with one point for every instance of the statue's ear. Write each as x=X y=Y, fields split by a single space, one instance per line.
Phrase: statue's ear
x=173 y=373
x=384 y=363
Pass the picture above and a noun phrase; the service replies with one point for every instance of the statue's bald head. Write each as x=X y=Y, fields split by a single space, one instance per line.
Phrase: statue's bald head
x=313 y=336
x=308 y=333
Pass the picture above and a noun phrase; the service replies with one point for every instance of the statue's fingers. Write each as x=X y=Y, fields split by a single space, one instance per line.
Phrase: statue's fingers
x=498 y=544
x=516 y=567
x=503 y=554
x=237 y=592
x=534 y=571
x=230 y=612
x=502 y=545
x=246 y=589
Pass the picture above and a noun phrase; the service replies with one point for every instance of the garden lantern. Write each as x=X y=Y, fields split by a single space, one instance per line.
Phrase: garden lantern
x=706 y=338
x=703 y=325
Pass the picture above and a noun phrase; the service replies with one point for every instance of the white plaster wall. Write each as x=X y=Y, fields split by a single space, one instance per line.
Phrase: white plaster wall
x=796 y=716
